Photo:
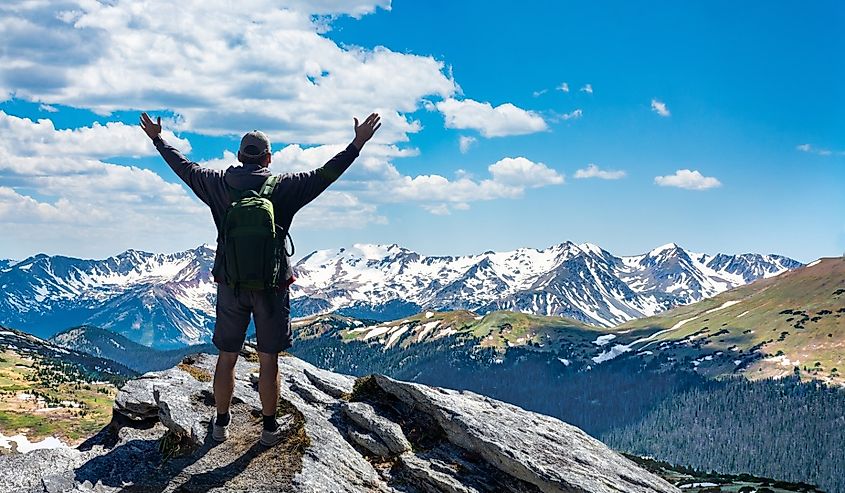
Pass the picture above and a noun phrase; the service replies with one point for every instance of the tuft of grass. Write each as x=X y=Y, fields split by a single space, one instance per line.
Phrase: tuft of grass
x=197 y=373
x=298 y=440
x=172 y=445
x=364 y=387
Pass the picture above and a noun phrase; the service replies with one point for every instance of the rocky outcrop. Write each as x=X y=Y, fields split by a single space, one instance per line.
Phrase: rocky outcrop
x=342 y=435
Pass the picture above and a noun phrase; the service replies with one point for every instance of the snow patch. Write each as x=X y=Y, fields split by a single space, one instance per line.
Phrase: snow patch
x=24 y=445
x=724 y=305
x=602 y=340
x=611 y=353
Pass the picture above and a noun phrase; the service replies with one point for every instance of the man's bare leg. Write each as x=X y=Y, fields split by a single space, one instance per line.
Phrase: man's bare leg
x=268 y=382
x=224 y=381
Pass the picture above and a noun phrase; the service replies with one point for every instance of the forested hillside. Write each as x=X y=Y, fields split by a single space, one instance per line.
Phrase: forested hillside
x=777 y=428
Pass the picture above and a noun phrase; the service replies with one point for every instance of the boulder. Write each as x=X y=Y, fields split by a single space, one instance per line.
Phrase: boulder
x=390 y=433
x=538 y=449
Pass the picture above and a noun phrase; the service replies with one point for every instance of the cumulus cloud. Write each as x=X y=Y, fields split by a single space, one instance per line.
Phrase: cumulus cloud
x=505 y=119
x=465 y=142
x=588 y=88
x=593 y=171
x=41 y=138
x=564 y=87
x=690 y=180
x=660 y=108
x=524 y=173
x=221 y=68
x=539 y=93
x=373 y=179
x=56 y=194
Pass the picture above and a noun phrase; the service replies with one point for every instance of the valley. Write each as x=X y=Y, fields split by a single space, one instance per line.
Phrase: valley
x=50 y=393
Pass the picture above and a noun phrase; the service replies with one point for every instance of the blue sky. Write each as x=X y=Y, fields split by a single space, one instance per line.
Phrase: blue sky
x=721 y=126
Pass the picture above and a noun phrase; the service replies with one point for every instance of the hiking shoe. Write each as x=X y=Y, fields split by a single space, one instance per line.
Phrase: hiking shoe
x=219 y=433
x=271 y=438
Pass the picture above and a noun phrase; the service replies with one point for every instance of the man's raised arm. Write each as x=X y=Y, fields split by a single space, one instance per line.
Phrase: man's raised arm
x=199 y=179
x=302 y=188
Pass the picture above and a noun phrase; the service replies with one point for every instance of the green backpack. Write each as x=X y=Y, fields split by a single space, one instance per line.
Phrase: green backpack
x=254 y=245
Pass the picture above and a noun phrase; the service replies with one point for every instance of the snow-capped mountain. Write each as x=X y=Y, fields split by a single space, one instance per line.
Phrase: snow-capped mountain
x=583 y=281
x=167 y=300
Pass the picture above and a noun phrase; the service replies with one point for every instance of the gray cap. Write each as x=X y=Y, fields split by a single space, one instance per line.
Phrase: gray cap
x=255 y=144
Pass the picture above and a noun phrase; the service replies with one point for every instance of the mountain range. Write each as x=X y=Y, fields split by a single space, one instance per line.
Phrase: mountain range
x=167 y=300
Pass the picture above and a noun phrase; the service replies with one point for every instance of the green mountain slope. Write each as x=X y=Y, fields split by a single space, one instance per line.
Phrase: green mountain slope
x=49 y=391
x=765 y=329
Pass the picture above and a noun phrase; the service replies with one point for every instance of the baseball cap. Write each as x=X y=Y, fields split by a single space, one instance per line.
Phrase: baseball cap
x=255 y=144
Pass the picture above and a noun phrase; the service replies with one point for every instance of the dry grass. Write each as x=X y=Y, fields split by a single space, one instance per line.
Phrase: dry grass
x=198 y=373
x=298 y=440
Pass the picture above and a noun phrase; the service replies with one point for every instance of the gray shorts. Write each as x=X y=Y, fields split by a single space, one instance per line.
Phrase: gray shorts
x=271 y=313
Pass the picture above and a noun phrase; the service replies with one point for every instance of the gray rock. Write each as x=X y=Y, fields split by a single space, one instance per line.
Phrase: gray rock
x=180 y=415
x=135 y=399
x=478 y=444
x=370 y=442
x=534 y=448
x=432 y=478
x=333 y=384
x=363 y=415
x=24 y=472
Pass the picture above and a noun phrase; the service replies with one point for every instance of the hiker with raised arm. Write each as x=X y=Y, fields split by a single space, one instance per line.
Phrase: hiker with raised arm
x=253 y=210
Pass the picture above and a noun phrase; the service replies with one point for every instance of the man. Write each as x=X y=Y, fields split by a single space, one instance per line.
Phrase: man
x=270 y=308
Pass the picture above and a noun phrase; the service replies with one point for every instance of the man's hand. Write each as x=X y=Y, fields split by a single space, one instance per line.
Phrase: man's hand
x=365 y=131
x=152 y=129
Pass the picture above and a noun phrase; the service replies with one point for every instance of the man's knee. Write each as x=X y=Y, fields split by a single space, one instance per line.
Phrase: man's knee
x=268 y=361
x=227 y=359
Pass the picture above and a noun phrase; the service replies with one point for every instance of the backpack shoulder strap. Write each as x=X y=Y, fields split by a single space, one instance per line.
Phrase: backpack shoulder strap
x=269 y=186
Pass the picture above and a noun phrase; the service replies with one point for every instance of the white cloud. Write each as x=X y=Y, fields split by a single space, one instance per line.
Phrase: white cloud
x=465 y=142
x=660 y=108
x=522 y=172
x=505 y=119
x=437 y=209
x=539 y=93
x=41 y=138
x=373 y=180
x=572 y=115
x=221 y=68
x=593 y=171
x=690 y=180
x=53 y=194
x=564 y=87
x=334 y=210
x=588 y=88
x=821 y=152
x=47 y=108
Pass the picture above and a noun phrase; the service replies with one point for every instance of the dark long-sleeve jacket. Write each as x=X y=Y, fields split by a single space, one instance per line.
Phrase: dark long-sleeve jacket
x=293 y=191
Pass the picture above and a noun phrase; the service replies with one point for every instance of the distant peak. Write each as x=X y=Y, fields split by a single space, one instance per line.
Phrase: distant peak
x=591 y=248
x=664 y=248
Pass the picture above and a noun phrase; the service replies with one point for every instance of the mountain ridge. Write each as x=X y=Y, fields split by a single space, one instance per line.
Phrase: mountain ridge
x=167 y=300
